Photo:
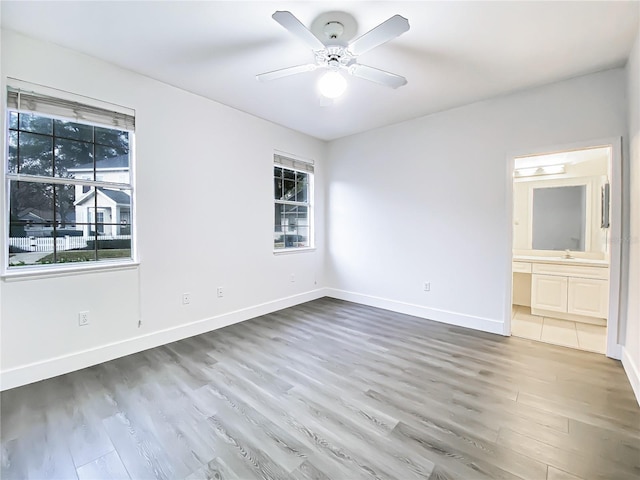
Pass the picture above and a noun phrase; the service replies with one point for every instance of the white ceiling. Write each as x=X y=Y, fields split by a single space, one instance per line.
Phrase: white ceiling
x=455 y=52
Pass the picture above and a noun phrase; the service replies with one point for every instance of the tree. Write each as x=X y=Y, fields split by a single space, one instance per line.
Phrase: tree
x=48 y=147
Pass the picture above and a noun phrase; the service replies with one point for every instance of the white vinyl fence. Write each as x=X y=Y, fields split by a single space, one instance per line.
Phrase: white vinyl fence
x=45 y=244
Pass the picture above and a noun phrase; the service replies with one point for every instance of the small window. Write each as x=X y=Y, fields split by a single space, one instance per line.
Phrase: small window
x=70 y=189
x=293 y=183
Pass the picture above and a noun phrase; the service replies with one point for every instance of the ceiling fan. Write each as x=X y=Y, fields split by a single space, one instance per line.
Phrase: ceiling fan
x=338 y=55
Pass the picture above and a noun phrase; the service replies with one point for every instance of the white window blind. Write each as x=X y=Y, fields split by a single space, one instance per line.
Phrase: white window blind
x=44 y=104
x=301 y=165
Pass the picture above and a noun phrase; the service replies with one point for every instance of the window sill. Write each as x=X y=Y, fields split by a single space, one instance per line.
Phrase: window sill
x=288 y=251
x=27 y=272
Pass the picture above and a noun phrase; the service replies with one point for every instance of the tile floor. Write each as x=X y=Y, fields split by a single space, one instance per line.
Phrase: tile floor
x=582 y=336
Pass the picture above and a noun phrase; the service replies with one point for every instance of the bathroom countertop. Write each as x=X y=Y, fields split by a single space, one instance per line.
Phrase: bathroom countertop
x=561 y=260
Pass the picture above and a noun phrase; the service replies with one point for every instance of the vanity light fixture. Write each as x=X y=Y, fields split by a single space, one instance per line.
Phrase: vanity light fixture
x=534 y=171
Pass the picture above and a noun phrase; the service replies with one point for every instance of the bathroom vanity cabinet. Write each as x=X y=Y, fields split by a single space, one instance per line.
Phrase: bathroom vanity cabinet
x=571 y=289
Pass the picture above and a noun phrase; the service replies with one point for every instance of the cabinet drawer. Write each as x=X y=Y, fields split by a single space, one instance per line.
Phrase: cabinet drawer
x=521 y=267
x=580 y=271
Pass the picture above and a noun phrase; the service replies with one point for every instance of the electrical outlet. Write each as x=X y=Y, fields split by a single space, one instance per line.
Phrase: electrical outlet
x=427 y=286
x=83 y=319
x=220 y=292
x=186 y=298
x=292 y=277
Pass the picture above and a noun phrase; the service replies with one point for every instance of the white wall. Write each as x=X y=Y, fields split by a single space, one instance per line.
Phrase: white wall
x=631 y=351
x=427 y=199
x=204 y=174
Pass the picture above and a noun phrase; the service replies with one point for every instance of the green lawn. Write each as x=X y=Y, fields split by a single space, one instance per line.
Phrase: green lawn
x=86 y=255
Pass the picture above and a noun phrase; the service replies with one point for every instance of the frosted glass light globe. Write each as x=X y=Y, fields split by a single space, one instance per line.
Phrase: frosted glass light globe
x=332 y=84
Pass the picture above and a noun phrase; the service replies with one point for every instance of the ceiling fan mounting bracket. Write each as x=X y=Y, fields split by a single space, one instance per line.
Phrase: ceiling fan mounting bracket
x=326 y=21
x=333 y=30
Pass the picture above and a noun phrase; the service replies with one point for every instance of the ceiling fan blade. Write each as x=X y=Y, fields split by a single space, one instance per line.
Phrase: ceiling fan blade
x=295 y=26
x=285 y=72
x=378 y=76
x=387 y=30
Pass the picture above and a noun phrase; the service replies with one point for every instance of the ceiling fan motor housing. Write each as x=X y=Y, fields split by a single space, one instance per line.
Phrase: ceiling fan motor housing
x=334 y=57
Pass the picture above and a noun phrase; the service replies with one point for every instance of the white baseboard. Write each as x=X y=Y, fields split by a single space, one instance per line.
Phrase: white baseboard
x=442 y=316
x=633 y=372
x=53 y=367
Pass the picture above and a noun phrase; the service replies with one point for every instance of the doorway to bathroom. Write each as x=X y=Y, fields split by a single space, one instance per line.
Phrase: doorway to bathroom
x=565 y=260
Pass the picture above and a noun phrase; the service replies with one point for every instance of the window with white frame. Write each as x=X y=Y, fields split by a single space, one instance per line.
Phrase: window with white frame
x=293 y=192
x=68 y=178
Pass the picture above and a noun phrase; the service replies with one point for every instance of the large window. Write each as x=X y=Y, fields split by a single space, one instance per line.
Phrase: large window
x=293 y=186
x=68 y=180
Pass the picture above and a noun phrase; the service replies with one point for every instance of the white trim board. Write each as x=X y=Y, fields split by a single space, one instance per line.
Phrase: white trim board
x=42 y=370
x=633 y=373
x=437 y=315
x=68 y=363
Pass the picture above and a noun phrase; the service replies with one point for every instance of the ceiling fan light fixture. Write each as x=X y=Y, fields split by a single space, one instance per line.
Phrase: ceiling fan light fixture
x=332 y=84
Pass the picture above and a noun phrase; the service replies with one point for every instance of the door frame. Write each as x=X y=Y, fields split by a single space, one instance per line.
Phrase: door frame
x=614 y=348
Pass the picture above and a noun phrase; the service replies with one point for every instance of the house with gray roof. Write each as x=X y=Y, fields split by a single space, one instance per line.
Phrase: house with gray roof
x=110 y=209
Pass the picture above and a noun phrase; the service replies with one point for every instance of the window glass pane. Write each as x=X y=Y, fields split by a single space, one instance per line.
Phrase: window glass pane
x=121 y=198
x=113 y=247
x=13 y=120
x=71 y=155
x=289 y=174
x=36 y=154
x=289 y=192
x=31 y=219
x=72 y=130
x=111 y=253
x=124 y=216
x=112 y=138
x=12 y=160
x=295 y=239
x=64 y=204
x=303 y=237
x=279 y=210
x=302 y=187
x=289 y=218
x=31 y=204
x=30 y=122
x=277 y=188
x=278 y=240
x=110 y=158
x=30 y=250
x=277 y=172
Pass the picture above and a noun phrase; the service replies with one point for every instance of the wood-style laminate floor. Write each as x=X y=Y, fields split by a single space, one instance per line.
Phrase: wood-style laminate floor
x=330 y=390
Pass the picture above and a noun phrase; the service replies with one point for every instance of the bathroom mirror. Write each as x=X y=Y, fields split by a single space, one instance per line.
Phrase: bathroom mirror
x=559 y=218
